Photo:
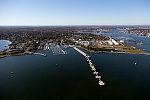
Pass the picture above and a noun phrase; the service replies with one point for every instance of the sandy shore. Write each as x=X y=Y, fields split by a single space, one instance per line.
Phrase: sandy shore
x=7 y=41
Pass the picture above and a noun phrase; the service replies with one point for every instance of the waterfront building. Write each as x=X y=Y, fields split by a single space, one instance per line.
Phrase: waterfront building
x=115 y=42
x=109 y=42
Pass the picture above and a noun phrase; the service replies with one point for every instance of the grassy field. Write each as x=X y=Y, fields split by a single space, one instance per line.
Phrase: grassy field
x=116 y=49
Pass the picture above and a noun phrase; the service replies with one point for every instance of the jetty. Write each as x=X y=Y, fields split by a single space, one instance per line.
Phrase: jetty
x=91 y=66
x=40 y=54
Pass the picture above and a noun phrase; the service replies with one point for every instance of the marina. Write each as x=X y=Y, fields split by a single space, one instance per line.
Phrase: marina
x=57 y=50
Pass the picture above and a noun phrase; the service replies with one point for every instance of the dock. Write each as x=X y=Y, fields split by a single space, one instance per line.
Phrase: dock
x=40 y=54
x=91 y=66
x=57 y=50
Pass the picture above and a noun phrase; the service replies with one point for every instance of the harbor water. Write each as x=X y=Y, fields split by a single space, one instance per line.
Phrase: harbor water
x=69 y=77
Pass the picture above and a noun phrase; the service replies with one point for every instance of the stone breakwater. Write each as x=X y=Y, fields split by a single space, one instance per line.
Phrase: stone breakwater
x=91 y=66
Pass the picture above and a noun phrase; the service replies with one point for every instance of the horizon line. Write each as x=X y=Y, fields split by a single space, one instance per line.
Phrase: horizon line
x=85 y=25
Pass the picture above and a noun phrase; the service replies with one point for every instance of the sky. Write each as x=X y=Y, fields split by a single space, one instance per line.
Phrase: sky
x=74 y=12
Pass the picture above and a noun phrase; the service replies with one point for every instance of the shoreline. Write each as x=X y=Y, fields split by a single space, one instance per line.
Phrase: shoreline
x=20 y=54
x=92 y=51
x=7 y=41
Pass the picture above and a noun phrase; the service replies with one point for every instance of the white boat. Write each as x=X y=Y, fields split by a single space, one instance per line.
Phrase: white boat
x=101 y=83
x=97 y=76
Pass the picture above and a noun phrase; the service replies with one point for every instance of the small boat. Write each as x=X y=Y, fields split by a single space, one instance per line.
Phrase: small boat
x=95 y=72
x=97 y=76
x=101 y=83
x=11 y=72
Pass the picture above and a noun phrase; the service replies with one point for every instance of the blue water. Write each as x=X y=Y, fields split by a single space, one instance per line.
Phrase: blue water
x=3 y=45
x=68 y=77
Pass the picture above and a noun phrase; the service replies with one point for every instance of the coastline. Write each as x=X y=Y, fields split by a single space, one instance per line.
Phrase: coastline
x=92 y=51
x=7 y=41
x=21 y=54
x=6 y=47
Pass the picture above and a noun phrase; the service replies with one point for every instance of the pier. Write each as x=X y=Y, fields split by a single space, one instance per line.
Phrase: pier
x=91 y=66
x=40 y=54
